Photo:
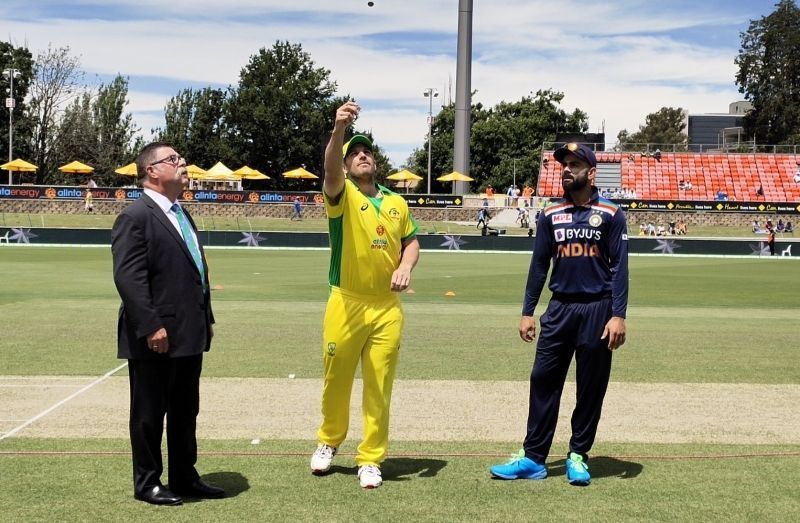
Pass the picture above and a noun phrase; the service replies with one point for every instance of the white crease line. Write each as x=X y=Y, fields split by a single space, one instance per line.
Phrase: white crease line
x=68 y=398
x=36 y=386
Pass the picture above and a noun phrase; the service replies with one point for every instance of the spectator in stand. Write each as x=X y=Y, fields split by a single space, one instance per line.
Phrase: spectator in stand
x=681 y=184
x=651 y=229
x=517 y=194
x=527 y=194
x=688 y=186
x=780 y=227
x=642 y=229
x=771 y=242
x=489 y=191
x=760 y=191
x=796 y=178
x=756 y=227
x=671 y=228
x=657 y=155
x=91 y=184
x=681 y=228
x=722 y=196
x=769 y=226
x=789 y=227
x=662 y=231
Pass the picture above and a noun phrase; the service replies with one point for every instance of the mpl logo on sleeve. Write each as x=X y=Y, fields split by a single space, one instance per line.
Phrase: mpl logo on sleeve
x=562 y=218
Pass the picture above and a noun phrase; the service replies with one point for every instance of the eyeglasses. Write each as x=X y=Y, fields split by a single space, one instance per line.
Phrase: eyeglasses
x=172 y=159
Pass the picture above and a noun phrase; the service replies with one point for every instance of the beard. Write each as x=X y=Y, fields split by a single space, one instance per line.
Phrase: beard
x=574 y=183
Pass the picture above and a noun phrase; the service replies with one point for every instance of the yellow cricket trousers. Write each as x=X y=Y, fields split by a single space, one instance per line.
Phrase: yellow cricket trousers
x=365 y=328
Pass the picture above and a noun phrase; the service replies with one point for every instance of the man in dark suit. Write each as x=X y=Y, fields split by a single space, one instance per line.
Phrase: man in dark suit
x=164 y=327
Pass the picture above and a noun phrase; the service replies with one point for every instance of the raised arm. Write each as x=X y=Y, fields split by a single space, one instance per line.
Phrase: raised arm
x=334 y=171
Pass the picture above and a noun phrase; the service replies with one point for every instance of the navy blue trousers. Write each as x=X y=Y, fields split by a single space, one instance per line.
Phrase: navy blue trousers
x=568 y=329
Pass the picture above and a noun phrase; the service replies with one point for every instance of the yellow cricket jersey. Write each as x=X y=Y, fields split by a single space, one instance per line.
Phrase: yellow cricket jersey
x=366 y=237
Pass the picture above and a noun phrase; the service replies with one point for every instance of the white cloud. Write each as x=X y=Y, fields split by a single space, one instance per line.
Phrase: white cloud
x=619 y=67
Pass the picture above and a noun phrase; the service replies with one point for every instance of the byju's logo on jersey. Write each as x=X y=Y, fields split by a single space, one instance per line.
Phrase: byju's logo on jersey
x=562 y=218
x=559 y=235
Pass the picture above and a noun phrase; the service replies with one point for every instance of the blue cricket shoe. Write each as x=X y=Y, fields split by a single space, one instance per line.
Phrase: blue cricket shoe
x=520 y=467
x=577 y=470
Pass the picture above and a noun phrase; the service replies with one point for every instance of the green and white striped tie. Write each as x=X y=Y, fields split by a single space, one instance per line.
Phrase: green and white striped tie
x=191 y=243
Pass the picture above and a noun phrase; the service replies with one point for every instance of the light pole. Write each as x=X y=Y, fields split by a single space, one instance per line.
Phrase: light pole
x=10 y=103
x=430 y=93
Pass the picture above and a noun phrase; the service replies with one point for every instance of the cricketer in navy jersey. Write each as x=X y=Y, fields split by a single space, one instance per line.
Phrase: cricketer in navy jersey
x=586 y=239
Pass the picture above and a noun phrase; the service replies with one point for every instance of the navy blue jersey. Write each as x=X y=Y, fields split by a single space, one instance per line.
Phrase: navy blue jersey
x=588 y=246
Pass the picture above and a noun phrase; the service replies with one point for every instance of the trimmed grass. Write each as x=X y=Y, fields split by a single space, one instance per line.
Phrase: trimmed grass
x=690 y=320
x=423 y=482
x=217 y=223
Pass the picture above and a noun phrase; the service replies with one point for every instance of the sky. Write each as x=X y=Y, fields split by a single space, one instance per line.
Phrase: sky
x=617 y=60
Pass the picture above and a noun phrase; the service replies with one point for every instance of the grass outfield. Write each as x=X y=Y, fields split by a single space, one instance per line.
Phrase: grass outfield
x=423 y=482
x=696 y=320
x=691 y=320
x=222 y=223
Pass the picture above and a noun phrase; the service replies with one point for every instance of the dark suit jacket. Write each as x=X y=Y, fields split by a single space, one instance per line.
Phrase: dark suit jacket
x=159 y=284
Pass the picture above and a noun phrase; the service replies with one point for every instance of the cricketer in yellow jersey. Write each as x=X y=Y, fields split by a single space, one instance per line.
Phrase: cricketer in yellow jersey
x=373 y=251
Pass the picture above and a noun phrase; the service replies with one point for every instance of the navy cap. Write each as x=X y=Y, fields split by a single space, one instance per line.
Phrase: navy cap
x=579 y=150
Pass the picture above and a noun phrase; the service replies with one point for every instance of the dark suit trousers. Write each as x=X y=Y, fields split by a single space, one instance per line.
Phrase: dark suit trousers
x=164 y=386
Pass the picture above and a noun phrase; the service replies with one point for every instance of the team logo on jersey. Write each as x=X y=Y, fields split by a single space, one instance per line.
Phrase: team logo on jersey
x=559 y=234
x=595 y=220
x=562 y=218
x=331 y=349
x=394 y=213
x=364 y=206
x=380 y=230
x=624 y=237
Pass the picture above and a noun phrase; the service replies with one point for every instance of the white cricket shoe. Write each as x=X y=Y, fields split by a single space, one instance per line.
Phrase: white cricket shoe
x=369 y=476
x=322 y=458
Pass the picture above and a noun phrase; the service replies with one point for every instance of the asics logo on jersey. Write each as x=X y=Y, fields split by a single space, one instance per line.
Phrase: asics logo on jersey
x=364 y=206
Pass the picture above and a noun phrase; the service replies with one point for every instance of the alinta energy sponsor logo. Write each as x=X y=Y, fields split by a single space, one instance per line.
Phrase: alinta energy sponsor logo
x=253 y=197
x=319 y=199
x=50 y=193
x=188 y=196
x=32 y=193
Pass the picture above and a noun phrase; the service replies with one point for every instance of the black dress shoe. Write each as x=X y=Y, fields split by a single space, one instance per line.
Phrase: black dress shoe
x=199 y=489
x=158 y=495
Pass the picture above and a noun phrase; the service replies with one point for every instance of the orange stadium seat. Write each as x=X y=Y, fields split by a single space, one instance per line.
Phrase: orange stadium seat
x=739 y=175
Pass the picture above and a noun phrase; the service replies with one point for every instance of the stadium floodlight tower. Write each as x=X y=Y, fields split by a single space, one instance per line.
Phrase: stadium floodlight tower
x=430 y=93
x=11 y=73
x=463 y=94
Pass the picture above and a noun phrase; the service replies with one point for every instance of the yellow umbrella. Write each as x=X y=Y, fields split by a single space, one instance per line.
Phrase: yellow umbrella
x=403 y=175
x=76 y=168
x=220 y=173
x=455 y=176
x=195 y=172
x=246 y=173
x=128 y=170
x=18 y=166
x=300 y=172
